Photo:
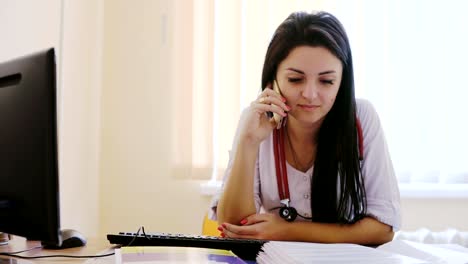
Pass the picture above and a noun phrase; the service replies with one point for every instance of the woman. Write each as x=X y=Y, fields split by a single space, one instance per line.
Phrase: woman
x=329 y=152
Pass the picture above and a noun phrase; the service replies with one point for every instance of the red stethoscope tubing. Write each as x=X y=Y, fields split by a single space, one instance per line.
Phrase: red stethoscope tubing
x=280 y=163
x=280 y=158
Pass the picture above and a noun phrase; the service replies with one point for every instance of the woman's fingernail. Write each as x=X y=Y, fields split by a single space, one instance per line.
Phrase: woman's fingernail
x=222 y=235
x=243 y=222
x=220 y=229
x=224 y=225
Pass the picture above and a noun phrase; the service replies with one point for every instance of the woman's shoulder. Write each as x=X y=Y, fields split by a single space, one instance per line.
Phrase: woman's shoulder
x=365 y=110
x=364 y=106
x=367 y=114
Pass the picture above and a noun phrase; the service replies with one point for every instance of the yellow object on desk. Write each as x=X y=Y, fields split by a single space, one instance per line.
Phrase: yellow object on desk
x=210 y=227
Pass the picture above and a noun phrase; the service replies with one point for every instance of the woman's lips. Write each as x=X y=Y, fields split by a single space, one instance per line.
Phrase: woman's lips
x=307 y=107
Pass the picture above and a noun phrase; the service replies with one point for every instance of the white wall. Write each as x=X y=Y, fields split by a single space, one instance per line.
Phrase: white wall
x=81 y=114
x=436 y=214
x=28 y=26
x=136 y=184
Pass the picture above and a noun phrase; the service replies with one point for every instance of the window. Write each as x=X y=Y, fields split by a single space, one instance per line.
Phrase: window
x=409 y=61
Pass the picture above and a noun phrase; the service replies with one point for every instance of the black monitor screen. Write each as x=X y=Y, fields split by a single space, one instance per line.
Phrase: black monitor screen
x=29 y=196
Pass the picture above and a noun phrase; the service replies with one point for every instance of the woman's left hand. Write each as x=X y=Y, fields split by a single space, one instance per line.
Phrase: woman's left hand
x=258 y=226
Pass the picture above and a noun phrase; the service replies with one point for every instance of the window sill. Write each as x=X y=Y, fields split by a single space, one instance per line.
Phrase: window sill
x=407 y=190
x=210 y=188
x=433 y=190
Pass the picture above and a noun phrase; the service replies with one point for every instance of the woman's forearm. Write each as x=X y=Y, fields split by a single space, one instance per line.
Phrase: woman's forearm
x=237 y=200
x=367 y=231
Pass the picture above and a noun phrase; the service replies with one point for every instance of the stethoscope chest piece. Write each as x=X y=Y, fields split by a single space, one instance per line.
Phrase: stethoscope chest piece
x=288 y=213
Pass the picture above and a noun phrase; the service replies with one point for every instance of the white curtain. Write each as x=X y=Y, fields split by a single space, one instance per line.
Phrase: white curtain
x=409 y=60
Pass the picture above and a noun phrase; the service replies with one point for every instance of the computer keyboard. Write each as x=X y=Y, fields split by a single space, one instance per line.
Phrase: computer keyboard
x=246 y=249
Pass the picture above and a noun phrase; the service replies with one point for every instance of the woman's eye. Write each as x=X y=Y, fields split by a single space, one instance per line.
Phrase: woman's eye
x=330 y=82
x=294 y=80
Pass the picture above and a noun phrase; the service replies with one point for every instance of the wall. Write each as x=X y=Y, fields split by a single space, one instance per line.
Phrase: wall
x=81 y=114
x=136 y=184
x=28 y=26
x=436 y=214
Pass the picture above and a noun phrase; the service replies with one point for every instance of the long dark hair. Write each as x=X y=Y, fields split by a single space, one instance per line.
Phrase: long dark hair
x=337 y=187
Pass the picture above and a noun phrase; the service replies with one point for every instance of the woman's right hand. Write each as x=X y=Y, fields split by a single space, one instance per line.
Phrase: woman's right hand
x=256 y=125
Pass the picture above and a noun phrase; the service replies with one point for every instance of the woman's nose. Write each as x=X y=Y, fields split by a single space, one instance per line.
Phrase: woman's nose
x=310 y=90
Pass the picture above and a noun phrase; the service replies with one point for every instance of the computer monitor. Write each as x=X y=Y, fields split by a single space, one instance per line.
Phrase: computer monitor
x=29 y=189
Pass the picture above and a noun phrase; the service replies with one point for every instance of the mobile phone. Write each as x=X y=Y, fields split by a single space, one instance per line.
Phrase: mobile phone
x=276 y=117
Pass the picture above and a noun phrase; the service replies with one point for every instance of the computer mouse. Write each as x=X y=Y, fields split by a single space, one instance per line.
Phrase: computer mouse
x=72 y=238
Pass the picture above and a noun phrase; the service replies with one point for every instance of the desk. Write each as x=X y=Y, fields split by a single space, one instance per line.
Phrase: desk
x=95 y=246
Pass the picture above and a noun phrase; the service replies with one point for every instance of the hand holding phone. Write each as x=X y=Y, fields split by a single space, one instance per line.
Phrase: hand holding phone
x=278 y=119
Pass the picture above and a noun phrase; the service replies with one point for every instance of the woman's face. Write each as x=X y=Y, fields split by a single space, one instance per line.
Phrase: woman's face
x=309 y=79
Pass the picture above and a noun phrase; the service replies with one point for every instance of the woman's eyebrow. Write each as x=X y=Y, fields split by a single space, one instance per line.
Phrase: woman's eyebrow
x=326 y=72
x=301 y=72
x=295 y=70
